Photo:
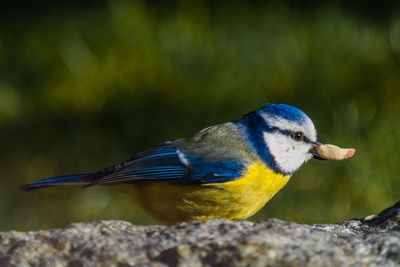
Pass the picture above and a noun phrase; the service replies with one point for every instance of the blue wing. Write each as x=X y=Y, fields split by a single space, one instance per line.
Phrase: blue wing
x=169 y=162
x=215 y=155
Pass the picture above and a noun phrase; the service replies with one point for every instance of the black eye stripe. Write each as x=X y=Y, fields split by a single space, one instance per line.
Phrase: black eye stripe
x=308 y=141
x=284 y=132
x=290 y=133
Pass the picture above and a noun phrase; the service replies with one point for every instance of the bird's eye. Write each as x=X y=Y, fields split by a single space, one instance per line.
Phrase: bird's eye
x=298 y=136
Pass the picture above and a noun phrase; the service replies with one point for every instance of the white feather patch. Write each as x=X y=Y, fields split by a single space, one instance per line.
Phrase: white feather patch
x=182 y=158
x=289 y=155
x=307 y=127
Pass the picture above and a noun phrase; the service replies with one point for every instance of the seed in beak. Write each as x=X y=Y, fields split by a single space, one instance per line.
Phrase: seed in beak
x=332 y=152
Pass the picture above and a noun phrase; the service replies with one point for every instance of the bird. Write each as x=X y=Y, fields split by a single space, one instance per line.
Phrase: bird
x=226 y=171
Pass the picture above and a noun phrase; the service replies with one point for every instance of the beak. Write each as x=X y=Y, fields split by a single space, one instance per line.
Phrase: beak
x=318 y=143
x=314 y=153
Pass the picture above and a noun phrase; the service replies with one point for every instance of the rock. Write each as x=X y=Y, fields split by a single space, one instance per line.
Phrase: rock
x=374 y=241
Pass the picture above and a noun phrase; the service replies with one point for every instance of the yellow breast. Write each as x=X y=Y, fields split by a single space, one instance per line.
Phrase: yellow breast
x=239 y=199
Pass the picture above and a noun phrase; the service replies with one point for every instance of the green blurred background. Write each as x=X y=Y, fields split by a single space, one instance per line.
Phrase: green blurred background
x=85 y=85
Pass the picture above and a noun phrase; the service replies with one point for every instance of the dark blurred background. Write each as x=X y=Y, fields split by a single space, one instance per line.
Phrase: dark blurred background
x=87 y=84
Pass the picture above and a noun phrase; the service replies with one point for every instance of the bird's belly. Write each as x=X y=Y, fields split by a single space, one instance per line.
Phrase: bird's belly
x=170 y=203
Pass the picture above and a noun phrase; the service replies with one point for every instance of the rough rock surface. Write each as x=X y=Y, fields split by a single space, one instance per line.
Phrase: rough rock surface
x=373 y=241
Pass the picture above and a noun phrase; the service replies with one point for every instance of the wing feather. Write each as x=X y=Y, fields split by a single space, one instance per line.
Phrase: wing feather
x=208 y=157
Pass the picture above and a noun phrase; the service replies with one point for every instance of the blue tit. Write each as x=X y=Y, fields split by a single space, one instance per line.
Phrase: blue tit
x=229 y=171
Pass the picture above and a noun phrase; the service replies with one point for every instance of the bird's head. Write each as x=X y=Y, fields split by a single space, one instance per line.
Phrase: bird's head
x=283 y=136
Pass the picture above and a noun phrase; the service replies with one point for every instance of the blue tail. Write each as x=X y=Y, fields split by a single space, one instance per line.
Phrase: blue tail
x=58 y=180
x=87 y=179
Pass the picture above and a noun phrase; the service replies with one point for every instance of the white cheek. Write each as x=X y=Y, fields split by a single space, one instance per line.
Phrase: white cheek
x=288 y=154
